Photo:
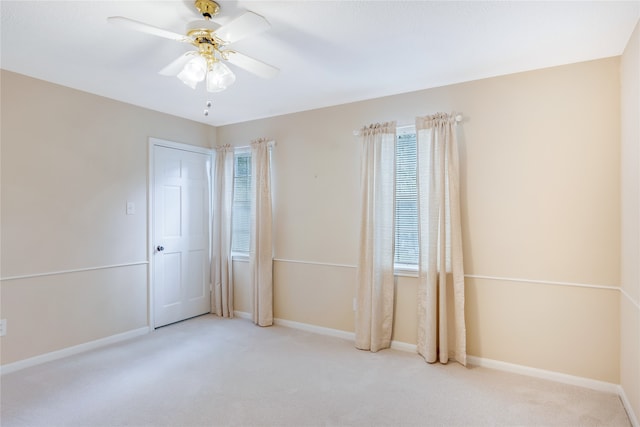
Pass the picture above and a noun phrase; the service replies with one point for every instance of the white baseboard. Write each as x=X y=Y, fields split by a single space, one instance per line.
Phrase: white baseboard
x=303 y=326
x=544 y=374
x=69 y=351
x=337 y=333
x=627 y=405
x=404 y=346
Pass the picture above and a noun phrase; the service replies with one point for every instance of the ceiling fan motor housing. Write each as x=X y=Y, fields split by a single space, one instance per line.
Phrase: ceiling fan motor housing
x=203 y=33
x=207 y=8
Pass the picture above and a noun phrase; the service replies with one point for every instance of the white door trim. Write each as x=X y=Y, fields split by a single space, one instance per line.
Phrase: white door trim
x=157 y=142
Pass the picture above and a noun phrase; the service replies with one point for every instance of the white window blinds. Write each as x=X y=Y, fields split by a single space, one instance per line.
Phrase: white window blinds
x=406 y=241
x=241 y=203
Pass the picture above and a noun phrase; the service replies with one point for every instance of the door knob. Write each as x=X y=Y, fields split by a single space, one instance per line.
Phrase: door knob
x=160 y=248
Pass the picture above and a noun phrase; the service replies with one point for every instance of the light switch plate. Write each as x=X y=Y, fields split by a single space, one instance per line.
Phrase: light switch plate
x=131 y=208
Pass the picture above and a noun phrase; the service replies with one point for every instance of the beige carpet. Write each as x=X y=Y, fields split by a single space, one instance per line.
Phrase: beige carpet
x=212 y=372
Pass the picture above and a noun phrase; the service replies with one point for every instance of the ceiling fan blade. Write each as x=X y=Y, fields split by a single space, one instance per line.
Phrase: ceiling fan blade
x=177 y=65
x=253 y=66
x=243 y=26
x=131 y=24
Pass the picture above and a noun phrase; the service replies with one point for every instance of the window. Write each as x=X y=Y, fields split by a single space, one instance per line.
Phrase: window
x=406 y=242
x=241 y=210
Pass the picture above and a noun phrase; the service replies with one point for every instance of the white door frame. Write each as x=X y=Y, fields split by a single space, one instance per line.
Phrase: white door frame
x=157 y=142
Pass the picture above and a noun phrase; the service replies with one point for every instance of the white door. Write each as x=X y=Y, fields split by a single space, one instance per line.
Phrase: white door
x=181 y=273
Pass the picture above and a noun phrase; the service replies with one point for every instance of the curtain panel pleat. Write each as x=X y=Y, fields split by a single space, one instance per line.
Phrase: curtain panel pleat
x=441 y=320
x=261 y=247
x=221 y=266
x=375 y=278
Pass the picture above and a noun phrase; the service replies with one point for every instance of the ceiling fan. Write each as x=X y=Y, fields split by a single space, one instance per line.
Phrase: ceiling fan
x=210 y=39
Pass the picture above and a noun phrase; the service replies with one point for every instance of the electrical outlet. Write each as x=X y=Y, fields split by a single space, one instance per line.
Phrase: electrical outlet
x=131 y=208
x=3 y=327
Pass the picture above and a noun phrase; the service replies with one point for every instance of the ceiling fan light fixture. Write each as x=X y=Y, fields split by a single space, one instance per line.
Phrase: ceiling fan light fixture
x=219 y=77
x=194 y=71
x=210 y=39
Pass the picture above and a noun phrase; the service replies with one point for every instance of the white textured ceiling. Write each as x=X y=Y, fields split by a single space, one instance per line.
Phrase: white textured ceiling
x=329 y=52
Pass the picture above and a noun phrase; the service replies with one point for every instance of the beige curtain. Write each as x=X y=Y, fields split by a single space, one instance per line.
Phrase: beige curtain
x=441 y=322
x=375 y=280
x=221 y=266
x=261 y=249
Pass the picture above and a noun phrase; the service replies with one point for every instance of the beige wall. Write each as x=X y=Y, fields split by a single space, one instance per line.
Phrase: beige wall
x=630 y=298
x=540 y=159
x=70 y=163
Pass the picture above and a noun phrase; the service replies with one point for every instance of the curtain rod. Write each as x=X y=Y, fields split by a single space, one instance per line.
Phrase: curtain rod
x=248 y=147
x=458 y=120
